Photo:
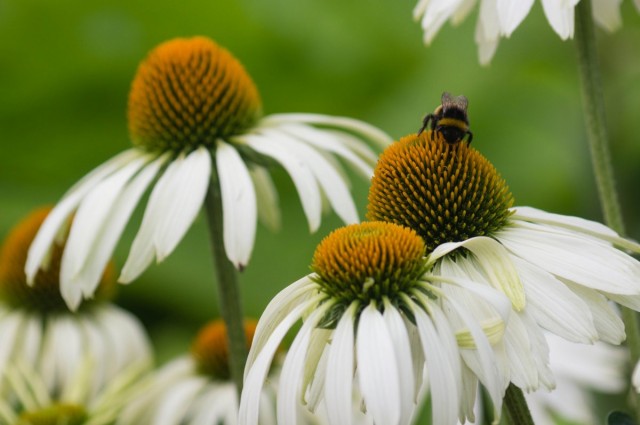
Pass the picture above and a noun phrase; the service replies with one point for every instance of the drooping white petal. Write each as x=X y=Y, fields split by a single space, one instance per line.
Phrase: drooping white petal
x=560 y=15
x=402 y=350
x=182 y=200
x=348 y=125
x=445 y=398
x=339 y=377
x=420 y=8
x=266 y=197
x=511 y=13
x=487 y=33
x=177 y=401
x=463 y=11
x=554 y=306
x=539 y=351
x=333 y=185
x=9 y=332
x=214 y=406
x=636 y=377
x=300 y=174
x=54 y=224
x=67 y=351
x=127 y=334
x=586 y=261
x=315 y=367
x=31 y=339
x=275 y=312
x=377 y=368
x=606 y=13
x=256 y=371
x=436 y=14
x=289 y=391
x=239 y=209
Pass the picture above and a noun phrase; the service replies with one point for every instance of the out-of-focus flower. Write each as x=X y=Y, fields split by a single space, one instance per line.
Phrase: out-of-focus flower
x=37 y=328
x=499 y=18
x=195 y=118
x=372 y=306
x=558 y=271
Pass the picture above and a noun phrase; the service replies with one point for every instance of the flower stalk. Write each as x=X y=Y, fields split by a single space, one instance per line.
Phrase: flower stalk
x=227 y=285
x=515 y=407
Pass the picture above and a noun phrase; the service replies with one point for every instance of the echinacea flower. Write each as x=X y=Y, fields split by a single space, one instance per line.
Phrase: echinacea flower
x=373 y=319
x=499 y=18
x=27 y=400
x=580 y=370
x=195 y=119
x=558 y=271
x=37 y=328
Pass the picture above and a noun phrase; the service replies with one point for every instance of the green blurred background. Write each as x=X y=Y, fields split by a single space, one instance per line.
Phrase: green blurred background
x=66 y=68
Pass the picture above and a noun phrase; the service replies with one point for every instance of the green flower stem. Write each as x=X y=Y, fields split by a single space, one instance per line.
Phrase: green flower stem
x=228 y=285
x=599 y=146
x=515 y=407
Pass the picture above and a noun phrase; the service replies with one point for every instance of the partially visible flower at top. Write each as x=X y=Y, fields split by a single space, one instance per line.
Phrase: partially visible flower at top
x=195 y=119
x=373 y=307
x=499 y=18
x=30 y=401
x=37 y=328
x=558 y=271
x=580 y=370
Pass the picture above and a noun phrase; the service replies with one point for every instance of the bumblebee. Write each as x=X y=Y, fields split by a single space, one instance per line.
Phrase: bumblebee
x=450 y=119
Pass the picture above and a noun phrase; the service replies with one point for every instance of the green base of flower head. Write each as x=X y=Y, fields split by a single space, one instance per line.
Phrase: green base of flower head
x=368 y=262
x=445 y=192
x=58 y=414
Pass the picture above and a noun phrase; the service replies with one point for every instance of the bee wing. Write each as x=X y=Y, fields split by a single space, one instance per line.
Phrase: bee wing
x=459 y=102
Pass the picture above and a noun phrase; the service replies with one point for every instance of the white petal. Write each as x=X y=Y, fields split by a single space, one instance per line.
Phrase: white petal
x=289 y=391
x=554 y=306
x=239 y=209
x=315 y=367
x=487 y=32
x=55 y=222
x=177 y=401
x=31 y=339
x=68 y=351
x=560 y=15
x=256 y=371
x=333 y=186
x=463 y=11
x=442 y=380
x=637 y=3
x=9 y=331
x=586 y=261
x=436 y=14
x=299 y=172
x=267 y=198
x=339 y=378
x=402 y=350
x=348 y=125
x=606 y=13
x=511 y=13
x=636 y=377
x=215 y=406
x=420 y=8
x=377 y=368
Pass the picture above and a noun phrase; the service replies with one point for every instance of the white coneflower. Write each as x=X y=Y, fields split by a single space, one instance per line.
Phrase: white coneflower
x=195 y=115
x=566 y=267
x=580 y=370
x=373 y=313
x=27 y=400
x=37 y=328
x=499 y=18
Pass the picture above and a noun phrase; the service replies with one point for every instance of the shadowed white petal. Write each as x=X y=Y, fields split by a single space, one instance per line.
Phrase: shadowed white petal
x=9 y=327
x=275 y=312
x=290 y=385
x=300 y=174
x=67 y=351
x=177 y=401
x=560 y=16
x=31 y=339
x=127 y=334
x=573 y=257
x=54 y=224
x=463 y=11
x=609 y=326
x=577 y=224
x=442 y=380
x=554 y=306
x=267 y=198
x=402 y=350
x=487 y=32
x=606 y=13
x=436 y=14
x=315 y=367
x=417 y=357
x=330 y=142
x=339 y=377
x=349 y=125
x=239 y=210
x=636 y=377
x=215 y=405
x=420 y=8
x=511 y=13
x=109 y=233
x=333 y=186
x=182 y=200
x=256 y=372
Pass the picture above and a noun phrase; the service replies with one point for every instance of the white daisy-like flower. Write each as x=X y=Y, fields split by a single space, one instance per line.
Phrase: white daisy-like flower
x=36 y=326
x=499 y=18
x=376 y=322
x=27 y=400
x=558 y=271
x=195 y=120
x=580 y=370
